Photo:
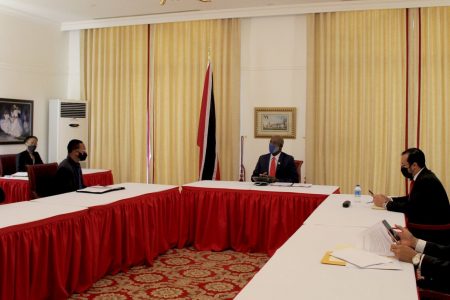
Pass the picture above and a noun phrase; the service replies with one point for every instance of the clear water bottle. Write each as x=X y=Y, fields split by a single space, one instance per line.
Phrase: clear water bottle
x=357 y=193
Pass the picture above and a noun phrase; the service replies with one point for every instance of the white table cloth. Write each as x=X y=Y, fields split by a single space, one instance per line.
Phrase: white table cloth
x=360 y=213
x=295 y=272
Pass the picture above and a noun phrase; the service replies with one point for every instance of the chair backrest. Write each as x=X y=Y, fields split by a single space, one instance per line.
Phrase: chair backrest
x=298 y=166
x=434 y=233
x=430 y=294
x=42 y=180
x=8 y=164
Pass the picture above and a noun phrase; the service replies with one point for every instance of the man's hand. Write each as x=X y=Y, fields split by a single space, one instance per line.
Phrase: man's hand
x=263 y=174
x=379 y=200
x=406 y=237
x=403 y=252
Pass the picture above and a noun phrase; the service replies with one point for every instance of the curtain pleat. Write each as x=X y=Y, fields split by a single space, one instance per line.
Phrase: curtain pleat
x=179 y=57
x=114 y=82
x=435 y=90
x=356 y=99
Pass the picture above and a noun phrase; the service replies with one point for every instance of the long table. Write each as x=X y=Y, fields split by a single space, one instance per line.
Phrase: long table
x=219 y=215
x=295 y=271
x=54 y=246
x=16 y=188
x=360 y=213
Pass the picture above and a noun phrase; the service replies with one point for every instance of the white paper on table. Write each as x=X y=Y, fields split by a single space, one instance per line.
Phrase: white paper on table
x=393 y=265
x=282 y=184
x=305 y=185
x=20 y=174
x=376 y=239
x=360 y=258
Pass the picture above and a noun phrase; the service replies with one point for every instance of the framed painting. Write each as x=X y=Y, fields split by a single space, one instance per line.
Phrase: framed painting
x=16 y=120
x=271 y=121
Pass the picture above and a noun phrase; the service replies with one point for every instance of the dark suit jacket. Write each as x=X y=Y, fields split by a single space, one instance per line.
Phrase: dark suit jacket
x=24 y=159
x=286 y=171
x=69 y=177
x=427 y=203
x=436 y=267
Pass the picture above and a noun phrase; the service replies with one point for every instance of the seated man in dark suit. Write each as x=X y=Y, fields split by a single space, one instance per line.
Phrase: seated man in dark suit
x=427 y=202
x=29 y=156
x=432 y=261
x=69 y=177
x=276 y=164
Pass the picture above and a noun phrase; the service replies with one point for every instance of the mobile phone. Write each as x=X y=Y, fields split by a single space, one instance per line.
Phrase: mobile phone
x=391 y=231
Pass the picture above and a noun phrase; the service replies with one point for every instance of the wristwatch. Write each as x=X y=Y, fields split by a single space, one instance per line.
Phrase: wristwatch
x=416 y=259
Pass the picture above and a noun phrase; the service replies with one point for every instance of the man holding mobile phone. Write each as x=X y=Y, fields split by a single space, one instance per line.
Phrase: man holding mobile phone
x=432 y=261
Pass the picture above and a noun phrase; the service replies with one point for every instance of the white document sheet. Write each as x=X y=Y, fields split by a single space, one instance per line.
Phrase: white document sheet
x=20 y=174
x=376 y=239
x=360 y=258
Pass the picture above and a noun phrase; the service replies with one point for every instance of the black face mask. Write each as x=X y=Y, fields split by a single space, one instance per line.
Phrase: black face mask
x=31 y=148
x=406 y=173
x=82 y=156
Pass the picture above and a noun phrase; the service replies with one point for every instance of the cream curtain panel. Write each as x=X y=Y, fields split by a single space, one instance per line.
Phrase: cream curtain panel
x=179 y=57
x=435 y=91
x=356 y=99
x=114 y=82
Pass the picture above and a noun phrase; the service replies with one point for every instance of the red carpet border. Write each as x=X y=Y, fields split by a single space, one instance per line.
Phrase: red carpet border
x=181 y=274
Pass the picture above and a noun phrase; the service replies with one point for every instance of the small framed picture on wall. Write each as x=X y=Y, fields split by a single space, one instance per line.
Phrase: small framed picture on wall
x=271 y=121
x=16 y=120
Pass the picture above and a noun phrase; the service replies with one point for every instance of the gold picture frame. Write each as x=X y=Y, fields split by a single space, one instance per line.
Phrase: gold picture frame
x=271 y=121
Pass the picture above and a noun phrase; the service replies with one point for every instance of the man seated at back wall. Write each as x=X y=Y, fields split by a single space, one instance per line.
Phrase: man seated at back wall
x=276 y=164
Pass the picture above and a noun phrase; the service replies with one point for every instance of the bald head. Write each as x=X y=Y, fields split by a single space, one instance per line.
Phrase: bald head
x=277 y=140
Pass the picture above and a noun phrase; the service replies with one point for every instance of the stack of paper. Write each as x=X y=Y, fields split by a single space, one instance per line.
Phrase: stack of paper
x=364 y=259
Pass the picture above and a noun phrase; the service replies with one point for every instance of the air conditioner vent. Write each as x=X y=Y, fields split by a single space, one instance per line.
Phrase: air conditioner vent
x=73 y=110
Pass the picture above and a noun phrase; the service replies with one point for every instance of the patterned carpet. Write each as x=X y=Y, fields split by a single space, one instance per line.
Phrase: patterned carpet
x=181 y=274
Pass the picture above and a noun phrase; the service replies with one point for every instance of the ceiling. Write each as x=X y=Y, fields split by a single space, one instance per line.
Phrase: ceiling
x=97 y=13
x=80 y=10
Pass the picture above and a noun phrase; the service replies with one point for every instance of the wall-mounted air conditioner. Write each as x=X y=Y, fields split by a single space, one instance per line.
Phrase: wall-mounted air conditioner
x=67 y=120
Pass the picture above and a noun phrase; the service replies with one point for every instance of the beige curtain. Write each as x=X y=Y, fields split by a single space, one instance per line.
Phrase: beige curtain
x=114 y=82
x=435 y=91
x=179 y=58
x=356 y=99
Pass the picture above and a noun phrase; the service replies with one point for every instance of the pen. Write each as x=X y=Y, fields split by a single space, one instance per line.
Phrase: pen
x=371 y=194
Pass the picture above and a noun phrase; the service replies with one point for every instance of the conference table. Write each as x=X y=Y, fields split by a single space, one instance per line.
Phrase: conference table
x=16 y=188
x=295 y=271
x=220 y=215
x=54 y=246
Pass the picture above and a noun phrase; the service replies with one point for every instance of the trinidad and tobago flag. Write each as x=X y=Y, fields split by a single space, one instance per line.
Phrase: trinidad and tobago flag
x=206 y=137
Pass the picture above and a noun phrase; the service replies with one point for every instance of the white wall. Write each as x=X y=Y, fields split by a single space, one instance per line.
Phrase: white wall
x=33 y=66
x=273 y=74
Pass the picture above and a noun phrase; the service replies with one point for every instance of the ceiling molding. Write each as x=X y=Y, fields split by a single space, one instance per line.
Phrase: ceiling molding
x=276 y=10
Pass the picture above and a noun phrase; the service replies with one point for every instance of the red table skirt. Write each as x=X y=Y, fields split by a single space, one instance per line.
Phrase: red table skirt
x=17 y=190
x=98 y=178
x=52 y=258
x=245 y=221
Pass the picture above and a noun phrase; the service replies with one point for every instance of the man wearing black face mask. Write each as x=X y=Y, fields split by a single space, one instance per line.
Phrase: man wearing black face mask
x=29 y=156
x=427 y=202
x=276 y=164
x=69 y=177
